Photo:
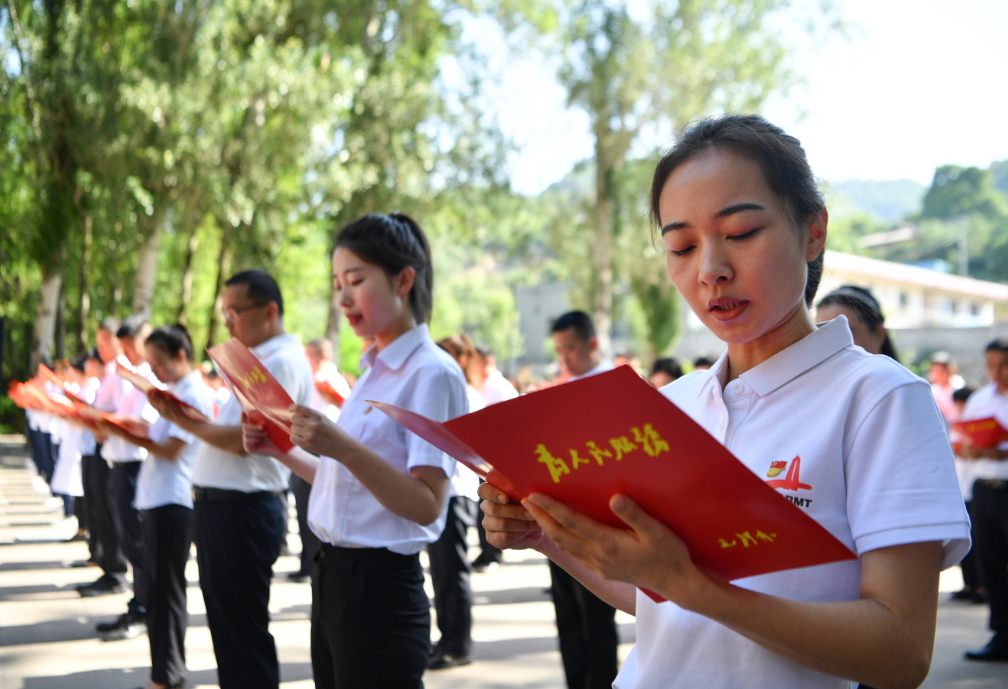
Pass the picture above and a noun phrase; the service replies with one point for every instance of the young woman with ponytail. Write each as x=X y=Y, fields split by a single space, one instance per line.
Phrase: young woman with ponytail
x=864 y=316
x=859 y=437
x=379 y=494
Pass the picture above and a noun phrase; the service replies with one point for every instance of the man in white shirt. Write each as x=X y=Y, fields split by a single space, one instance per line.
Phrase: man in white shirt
x=238 y=521
x=105 y=549
x=586 y=624
x=124 y=460
x=990 y=499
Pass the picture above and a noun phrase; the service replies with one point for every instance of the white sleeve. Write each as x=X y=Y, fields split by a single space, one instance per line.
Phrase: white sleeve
x=292 y=379
x=901 y=480
x=441 y=397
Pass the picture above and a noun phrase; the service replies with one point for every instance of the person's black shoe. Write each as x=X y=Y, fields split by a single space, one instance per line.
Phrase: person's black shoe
x=445 y=661
x=996 y=649
x=980 y=597
x=298 y=577
x=125 y=627
x=965 y=593
x=103 y=586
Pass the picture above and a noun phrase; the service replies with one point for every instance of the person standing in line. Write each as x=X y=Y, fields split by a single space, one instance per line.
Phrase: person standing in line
x=124 y=460
x=164 y=499
x=494 y=388
x=379 y=493
x=864 y=315
x=105 y=549
x=941 y=372
x=67 y=474
x=664 y=371
x=449 y=559
x=990 y=499
x=744 y=227
x=586 y=624
x=238 y=520
x=973 y=589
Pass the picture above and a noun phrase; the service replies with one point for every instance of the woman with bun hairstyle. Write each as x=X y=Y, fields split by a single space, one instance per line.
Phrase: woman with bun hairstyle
x=864 y=316
x=164 y=498
x=744 y=227
x=379 y=493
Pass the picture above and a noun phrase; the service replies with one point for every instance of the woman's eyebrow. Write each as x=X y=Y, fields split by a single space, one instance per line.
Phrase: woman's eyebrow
x=723 y=213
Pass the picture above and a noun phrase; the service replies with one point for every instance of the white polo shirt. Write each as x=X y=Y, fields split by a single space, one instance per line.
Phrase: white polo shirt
x=88 y=394
x=411 y=372
x=133 y=403
x=600 y=367
x=496 y=388
x=284 y=357
x=112 y=387
x=169 y=482
x=856 y=442
x=985 y=403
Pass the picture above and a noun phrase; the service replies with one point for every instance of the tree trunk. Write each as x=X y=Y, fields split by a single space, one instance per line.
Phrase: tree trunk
x=334 y=325
x=84 y=305
x=146 y=275
x=602 y=261
x=45 y=319
x=187 y=275
x=223 y=268
x=61 y=322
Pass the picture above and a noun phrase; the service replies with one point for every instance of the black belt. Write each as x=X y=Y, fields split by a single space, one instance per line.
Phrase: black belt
x=993 y=482
x=377 y=555
x=219 y=494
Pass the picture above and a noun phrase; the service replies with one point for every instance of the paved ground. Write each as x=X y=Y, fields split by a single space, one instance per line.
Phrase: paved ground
x=47 y=639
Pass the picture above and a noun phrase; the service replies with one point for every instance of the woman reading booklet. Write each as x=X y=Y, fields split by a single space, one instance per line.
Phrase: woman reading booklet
x=853 y=439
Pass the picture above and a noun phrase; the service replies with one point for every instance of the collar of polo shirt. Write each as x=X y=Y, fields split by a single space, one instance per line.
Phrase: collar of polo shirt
x=786 y=365
x=395 y=355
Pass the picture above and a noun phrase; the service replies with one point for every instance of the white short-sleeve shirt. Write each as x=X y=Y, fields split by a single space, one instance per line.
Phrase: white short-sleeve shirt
x=985 y=403
x=465 y=482
x=855 y=441
x=169 y=482
x=133 y=403
x=284 y=357
x=496 y=388
x=411 y=372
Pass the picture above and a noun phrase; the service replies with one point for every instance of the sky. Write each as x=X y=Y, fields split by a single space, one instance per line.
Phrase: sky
x=910 y=86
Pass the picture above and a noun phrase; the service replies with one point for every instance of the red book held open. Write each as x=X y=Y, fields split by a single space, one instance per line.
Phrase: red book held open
x=585 y=441
x=981 y=433
x=262 y=398
x=148 y=388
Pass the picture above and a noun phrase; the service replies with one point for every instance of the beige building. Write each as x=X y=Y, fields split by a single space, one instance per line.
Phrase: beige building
x=913 y=297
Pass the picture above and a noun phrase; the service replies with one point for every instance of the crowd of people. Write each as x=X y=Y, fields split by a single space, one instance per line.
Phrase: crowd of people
x=744 y=227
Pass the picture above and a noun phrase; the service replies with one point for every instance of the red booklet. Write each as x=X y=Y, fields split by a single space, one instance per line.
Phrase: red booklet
x=326 y=387
x=582 y=442
x=981 y=433
x=262 y=398
x=148 y=388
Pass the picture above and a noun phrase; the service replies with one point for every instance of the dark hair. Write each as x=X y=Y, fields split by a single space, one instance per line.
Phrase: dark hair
x=780 y=157
x=863 y=304
x=93 y=354
x=667 y=365
x=394 y=242
x=962 y=394
x=131 y=326
x=579 y=320
x=260 y=287
x=484 y=350
x=78 y=362
x=998 y=345
x=459 y=346
x=703 y=361
x=172 y=339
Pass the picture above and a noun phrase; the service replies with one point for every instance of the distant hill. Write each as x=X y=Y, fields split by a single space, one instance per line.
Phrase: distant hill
x=887 y=201
x=1000 y=171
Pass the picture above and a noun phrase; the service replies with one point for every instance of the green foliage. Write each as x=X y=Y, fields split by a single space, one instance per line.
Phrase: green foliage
x=958 y=191
x=12 y=418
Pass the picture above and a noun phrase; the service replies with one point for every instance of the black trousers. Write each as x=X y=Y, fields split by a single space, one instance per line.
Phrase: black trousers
x=41 y=449
x=167 y=532
x=309 y=541
x=969 y=564
x=237 y=542
x=121 y=491
x=587 y=629
x=990 y=510
x=488 y=552
x=370 y=619
x=450 y=570
x=102 y=539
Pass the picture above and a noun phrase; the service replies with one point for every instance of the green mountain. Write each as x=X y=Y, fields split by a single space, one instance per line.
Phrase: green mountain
x=887 y=201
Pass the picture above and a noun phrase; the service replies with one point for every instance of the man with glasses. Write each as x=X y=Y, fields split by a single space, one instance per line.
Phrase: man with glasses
x=238 y=521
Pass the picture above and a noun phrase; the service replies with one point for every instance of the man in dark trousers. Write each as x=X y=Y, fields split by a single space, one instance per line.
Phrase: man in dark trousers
x=238 y=521
x=586 y=624
x=104 y=542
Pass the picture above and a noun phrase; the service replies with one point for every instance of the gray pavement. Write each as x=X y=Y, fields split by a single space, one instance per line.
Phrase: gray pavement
x=47 y=636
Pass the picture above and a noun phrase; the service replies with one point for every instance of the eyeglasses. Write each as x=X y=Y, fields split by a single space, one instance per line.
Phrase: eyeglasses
x=231 y=313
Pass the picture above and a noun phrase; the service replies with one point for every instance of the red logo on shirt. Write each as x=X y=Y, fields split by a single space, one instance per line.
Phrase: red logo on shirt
x=791 y=481
x=776 y=468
